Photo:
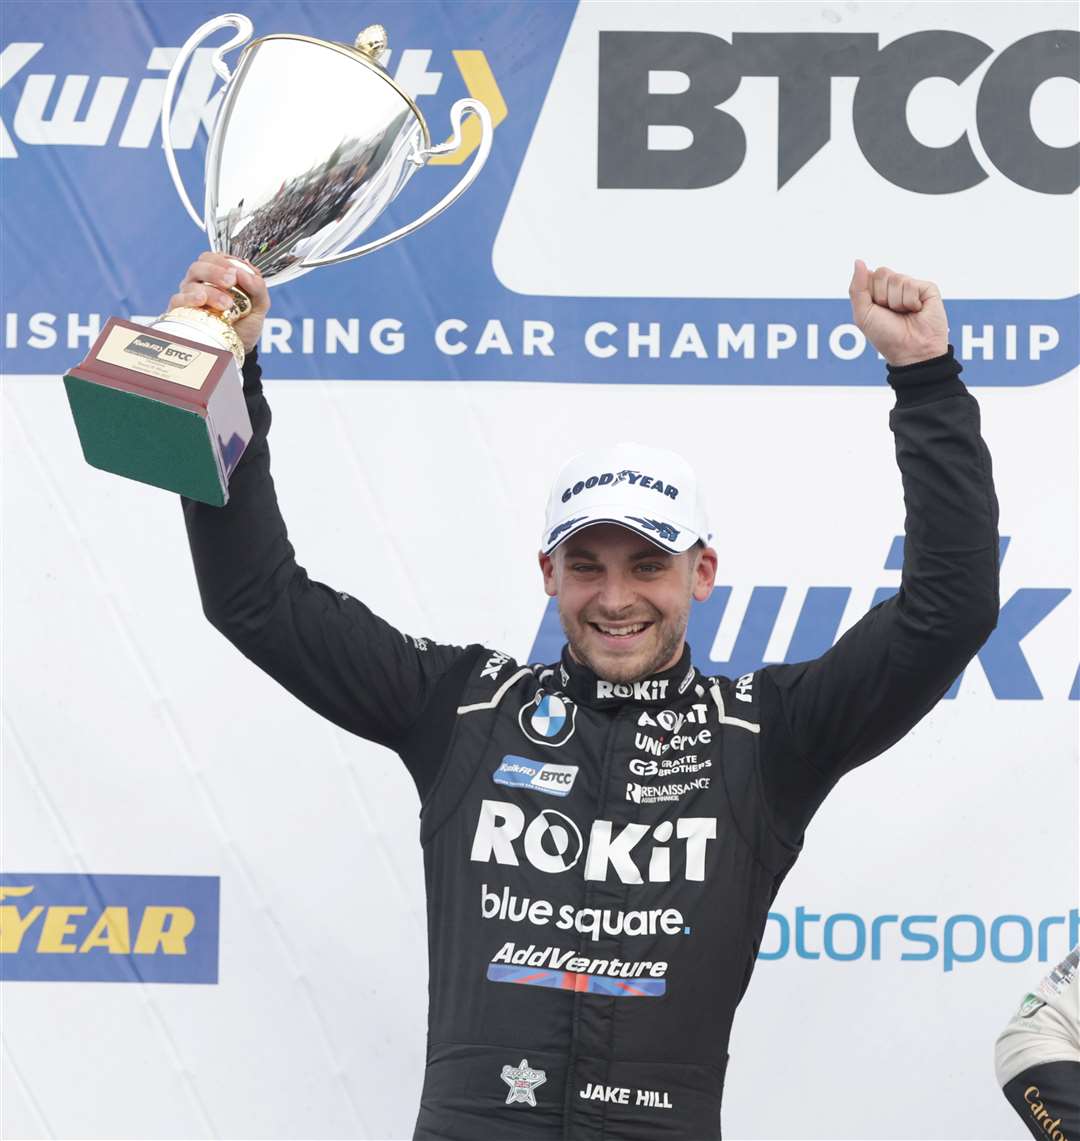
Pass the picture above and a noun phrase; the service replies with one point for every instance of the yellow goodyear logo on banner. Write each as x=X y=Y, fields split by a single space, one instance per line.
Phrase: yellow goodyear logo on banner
x=109 y=928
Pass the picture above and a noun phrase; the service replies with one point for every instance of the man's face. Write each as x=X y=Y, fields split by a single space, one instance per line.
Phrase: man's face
x=624 y=603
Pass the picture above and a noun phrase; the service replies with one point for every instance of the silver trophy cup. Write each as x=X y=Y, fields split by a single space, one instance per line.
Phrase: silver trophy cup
x=312 y=141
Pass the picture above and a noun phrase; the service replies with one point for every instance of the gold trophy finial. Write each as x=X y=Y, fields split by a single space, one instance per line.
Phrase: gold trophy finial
x=372 y=41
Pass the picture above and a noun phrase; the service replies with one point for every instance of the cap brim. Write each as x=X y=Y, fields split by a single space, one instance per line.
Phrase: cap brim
x=657 y=531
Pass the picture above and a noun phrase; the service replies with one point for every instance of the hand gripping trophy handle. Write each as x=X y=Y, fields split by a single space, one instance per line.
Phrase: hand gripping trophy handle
x=418 y=158
x=220 y=323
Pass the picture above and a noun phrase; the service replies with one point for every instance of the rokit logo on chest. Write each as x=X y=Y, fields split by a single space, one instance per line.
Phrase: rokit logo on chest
x=553 y=843
x=653 y=689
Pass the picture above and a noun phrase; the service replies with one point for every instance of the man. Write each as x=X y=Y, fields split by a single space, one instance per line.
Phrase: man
x=1037 y=1055
x=603 y=836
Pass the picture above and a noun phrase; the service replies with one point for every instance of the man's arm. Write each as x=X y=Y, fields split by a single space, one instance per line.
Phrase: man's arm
x=829 y=715
x=1037 y=1055
x=322 y=645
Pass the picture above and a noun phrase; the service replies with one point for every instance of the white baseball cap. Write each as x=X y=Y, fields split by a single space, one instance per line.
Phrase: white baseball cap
x=643 y=489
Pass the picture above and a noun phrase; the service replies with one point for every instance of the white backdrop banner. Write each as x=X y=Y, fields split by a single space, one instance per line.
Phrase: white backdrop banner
x=211 y=901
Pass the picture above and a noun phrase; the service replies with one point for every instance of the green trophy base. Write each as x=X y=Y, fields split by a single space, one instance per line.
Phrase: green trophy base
x=160 y=409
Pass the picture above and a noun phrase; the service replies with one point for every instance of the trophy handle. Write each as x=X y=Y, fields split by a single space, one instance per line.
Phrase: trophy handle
x=244 y=29
x=457 y=113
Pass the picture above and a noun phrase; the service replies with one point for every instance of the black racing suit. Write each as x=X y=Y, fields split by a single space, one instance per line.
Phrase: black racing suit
x=600 y=860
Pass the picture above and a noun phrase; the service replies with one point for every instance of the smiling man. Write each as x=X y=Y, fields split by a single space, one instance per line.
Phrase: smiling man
x=603 y=835
x=624 y=552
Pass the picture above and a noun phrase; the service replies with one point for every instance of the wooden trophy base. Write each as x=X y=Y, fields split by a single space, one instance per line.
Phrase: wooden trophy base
x=161 y=409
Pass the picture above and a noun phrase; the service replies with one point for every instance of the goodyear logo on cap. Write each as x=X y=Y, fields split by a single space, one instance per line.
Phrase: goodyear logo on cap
x=109 y=928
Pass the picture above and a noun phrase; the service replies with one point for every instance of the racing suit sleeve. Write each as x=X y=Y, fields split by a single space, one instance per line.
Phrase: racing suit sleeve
x=1037 y=1055
x=829 y=715
x=324 y=646
x=1047 y=1099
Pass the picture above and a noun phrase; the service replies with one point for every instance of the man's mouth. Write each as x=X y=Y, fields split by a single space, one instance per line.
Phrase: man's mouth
x=620 y=634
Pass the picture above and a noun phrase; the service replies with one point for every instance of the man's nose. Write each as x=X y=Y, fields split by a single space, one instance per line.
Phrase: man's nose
x=616 y=595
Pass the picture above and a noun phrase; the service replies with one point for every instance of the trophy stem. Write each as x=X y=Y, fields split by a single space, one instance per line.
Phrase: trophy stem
x=218 y=323
x=212 y=322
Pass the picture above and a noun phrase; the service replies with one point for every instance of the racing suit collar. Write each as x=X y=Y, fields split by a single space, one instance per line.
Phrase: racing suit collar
x=659 y=689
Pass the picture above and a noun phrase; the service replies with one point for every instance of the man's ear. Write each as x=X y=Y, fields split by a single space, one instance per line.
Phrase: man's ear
x=547 y=569
x=705 y=574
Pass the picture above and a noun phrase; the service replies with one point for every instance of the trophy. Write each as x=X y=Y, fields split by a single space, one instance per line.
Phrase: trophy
x=312 y=140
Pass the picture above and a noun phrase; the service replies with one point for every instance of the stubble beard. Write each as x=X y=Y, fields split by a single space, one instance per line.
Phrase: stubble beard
x=672 y=631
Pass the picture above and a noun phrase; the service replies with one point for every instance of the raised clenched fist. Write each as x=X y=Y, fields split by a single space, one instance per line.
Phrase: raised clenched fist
x=902 y=317
x=207 y=282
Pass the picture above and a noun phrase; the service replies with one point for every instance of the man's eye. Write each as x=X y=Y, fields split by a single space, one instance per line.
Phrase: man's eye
x=650 y=568
x=583 y=568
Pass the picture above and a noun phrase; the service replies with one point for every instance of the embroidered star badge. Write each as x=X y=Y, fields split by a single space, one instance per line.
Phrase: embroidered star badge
x=522 y=1081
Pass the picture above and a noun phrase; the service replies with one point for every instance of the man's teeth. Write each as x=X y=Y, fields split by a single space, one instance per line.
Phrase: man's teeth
x=621 y=631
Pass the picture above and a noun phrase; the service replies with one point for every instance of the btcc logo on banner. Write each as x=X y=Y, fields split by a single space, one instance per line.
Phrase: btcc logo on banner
x=109 y=928
x=714 y=141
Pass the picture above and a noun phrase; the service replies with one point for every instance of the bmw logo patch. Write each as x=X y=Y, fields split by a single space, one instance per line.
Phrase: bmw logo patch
x=548 y=719
x=549 y=716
